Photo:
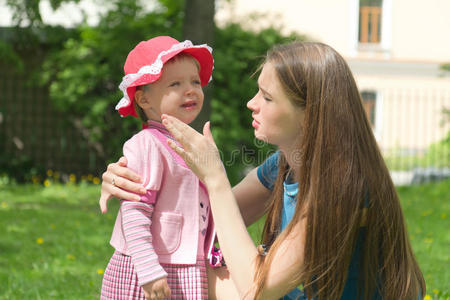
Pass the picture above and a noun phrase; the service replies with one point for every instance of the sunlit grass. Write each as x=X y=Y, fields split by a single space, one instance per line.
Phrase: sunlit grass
x=427 y=213
x=55 y=242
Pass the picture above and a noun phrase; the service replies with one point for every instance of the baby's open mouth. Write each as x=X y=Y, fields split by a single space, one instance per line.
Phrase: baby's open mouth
x=189 y=104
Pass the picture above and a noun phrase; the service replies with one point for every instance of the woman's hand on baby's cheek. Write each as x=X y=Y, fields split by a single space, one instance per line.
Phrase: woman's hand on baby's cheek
x=198 y=151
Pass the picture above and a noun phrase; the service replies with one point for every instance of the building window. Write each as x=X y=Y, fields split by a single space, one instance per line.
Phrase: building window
x=369 y=99
x=370 y=21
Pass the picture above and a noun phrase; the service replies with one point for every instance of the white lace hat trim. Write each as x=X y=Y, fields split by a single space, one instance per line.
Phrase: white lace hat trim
x=153 y=69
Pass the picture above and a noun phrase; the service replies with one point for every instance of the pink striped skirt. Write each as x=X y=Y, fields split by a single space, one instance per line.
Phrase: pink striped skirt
x=185 y=281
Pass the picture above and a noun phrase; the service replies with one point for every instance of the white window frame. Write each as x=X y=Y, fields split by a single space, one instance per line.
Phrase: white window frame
x=385 y=43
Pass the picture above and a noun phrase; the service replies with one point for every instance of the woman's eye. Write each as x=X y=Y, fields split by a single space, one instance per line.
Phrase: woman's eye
x=267 y=99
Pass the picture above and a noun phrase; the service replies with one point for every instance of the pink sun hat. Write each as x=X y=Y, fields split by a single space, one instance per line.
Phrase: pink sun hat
x=145 y=62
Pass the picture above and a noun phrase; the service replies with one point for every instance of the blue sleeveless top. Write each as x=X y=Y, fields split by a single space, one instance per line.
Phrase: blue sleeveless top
x=267 y=174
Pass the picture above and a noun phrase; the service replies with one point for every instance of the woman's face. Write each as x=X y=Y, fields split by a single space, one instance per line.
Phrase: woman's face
x=275 y=119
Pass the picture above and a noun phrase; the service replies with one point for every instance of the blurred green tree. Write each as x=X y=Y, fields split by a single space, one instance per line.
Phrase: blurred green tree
x=84 y=68
x=198 y=26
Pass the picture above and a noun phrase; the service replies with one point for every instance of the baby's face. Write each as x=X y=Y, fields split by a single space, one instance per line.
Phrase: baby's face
x=178 y=92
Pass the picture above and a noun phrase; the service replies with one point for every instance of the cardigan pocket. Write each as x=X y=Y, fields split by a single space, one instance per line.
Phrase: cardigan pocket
x=166 y=230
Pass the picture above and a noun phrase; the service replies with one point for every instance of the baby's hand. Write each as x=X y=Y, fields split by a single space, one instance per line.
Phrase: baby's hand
x=158 y=289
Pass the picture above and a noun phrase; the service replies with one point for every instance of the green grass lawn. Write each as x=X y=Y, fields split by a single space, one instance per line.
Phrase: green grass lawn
x=55 y=242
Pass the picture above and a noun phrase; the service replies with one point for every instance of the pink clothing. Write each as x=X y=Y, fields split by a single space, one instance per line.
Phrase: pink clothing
x=185 y=281
x=170 y=225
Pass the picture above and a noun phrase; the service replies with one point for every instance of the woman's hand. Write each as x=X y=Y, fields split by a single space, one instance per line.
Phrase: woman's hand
x=198 y=151
x=118 y=181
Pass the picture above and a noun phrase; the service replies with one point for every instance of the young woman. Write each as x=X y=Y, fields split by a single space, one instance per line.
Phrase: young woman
x=334 y=222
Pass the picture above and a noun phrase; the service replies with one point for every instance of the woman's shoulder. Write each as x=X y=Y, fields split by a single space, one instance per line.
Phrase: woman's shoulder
x=272 y=162
x=267 y=172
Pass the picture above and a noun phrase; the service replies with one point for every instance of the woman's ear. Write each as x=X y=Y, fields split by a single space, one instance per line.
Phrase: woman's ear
x=142 y=99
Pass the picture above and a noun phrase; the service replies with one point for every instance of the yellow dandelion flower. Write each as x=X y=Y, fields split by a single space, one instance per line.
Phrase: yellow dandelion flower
x=4 y=205
x=435 y=291
x=427 y=213
x=70 y=256
x=72 y=178
x=40 y=240
x=49 y=173
x=443 y=215
x=100 y=271
x=47 y=183
x=96 y=180
x=427 y=297
x=89 y=177
x=83 y=178
x=35 y=179
x=428 y=240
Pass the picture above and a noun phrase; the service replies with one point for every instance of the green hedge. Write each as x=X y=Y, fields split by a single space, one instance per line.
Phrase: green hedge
x=83 y=66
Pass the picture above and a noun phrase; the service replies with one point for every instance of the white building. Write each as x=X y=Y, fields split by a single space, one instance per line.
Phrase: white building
x=394 y=47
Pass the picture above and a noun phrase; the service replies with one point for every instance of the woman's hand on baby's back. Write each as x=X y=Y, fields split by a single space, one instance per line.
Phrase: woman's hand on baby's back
x=120 y=182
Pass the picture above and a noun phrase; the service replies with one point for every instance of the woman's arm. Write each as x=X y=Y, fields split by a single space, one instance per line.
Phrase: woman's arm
x=231 y=231
x=252 y=197
x=125 y=181
x=250 y=194
x=201 y=154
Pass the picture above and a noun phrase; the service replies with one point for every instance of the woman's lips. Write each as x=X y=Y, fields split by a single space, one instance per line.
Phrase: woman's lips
x=255 y=124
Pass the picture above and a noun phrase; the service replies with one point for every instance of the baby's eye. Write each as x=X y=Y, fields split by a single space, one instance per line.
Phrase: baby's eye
x=175 y=83
x=196 y=82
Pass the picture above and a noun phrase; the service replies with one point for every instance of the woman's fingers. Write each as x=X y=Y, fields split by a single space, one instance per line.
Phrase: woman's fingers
x=207 y=133
x=119 y=193
x=182 y=132
x=123 y=161
x=103 y=203
x=180 y=151
x=120 y=169
x=188 y=138
x=123 y=178
x=111 y=191
x=120 y=182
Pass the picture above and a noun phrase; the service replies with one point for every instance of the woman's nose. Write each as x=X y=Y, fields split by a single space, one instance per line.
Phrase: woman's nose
x=251 y=104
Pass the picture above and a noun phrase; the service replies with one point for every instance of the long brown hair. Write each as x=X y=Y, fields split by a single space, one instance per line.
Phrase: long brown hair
x=340 y=167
